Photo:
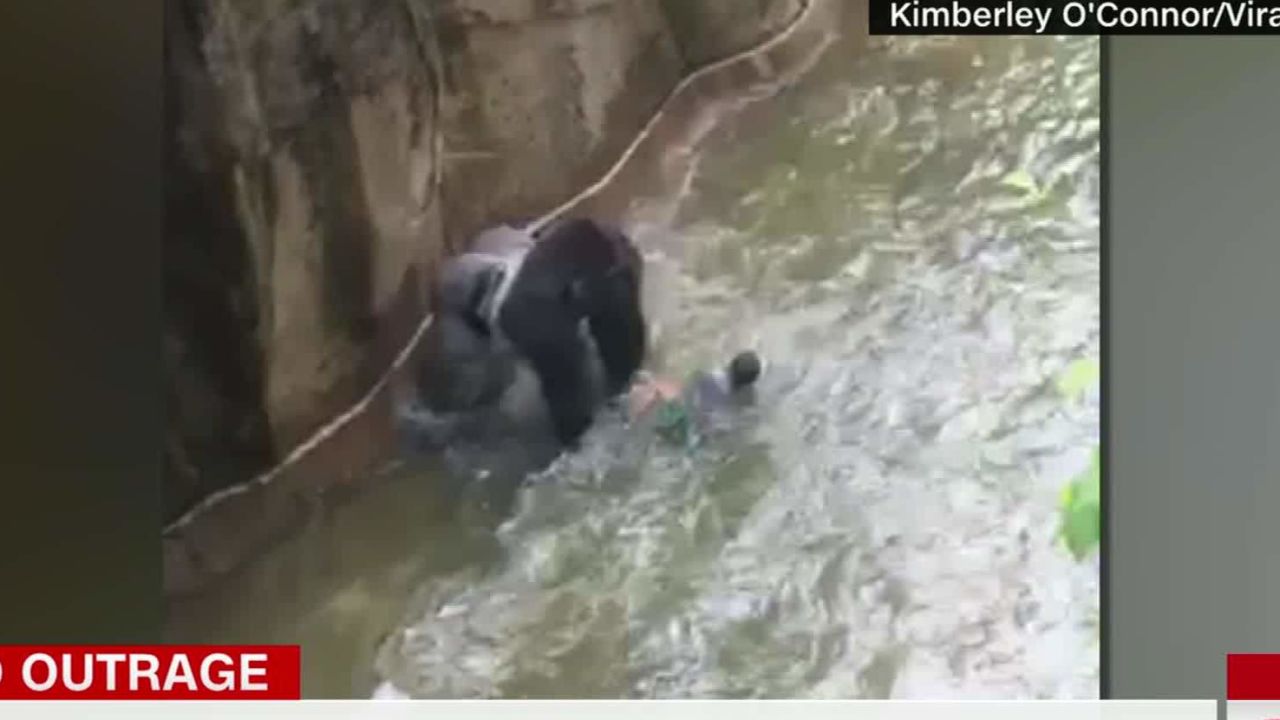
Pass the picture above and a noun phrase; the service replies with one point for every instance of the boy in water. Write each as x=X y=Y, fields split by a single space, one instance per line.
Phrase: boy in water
x=684 y=414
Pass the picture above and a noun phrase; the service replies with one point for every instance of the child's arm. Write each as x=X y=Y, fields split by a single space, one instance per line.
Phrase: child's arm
x=649 y=392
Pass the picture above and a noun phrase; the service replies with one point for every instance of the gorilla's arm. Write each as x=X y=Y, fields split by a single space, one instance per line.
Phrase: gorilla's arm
x=602 y=271
x=548 y=337
x=619 y=331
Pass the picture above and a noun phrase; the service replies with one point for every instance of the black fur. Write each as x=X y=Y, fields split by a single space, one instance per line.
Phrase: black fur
x=578 y=271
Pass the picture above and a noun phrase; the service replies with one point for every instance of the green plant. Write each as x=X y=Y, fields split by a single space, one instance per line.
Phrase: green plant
x=1078 y=378
x=1080 y=505
x=1023 y=182
x=1080 y=508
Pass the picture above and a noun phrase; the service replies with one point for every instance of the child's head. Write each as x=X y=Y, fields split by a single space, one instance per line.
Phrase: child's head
x=744 y=369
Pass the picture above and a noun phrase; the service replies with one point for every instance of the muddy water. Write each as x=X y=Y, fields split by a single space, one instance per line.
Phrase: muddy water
x=909 y=235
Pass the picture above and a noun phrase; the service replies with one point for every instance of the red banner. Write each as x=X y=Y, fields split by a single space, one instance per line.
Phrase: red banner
x=1253 y=677
x=150 y=672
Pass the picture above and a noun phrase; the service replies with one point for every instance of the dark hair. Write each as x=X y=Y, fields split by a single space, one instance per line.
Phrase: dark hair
x=744 y=369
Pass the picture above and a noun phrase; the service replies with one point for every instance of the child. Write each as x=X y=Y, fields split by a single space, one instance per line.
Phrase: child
x=707 y=394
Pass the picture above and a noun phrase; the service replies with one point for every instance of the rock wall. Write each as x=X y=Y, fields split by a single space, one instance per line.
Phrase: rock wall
x=324 y=155
x=708 y=30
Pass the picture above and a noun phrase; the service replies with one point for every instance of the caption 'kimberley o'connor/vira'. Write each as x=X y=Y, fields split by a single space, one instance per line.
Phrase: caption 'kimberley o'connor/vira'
x=915 y=15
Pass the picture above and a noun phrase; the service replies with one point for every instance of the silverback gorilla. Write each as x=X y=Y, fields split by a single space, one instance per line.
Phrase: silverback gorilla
x=536 y=334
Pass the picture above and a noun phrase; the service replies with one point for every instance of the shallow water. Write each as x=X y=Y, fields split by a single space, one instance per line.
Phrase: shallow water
x=880 y=525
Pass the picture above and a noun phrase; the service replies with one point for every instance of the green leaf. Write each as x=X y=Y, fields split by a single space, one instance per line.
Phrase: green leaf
x=1079 y=377
x=1080 y=509
x=1021 y=180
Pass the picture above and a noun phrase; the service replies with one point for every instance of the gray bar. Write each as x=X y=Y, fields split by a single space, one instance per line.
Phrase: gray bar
x=1193 y=373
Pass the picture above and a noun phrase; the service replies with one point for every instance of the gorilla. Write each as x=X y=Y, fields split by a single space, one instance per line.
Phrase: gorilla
x=536 y=333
